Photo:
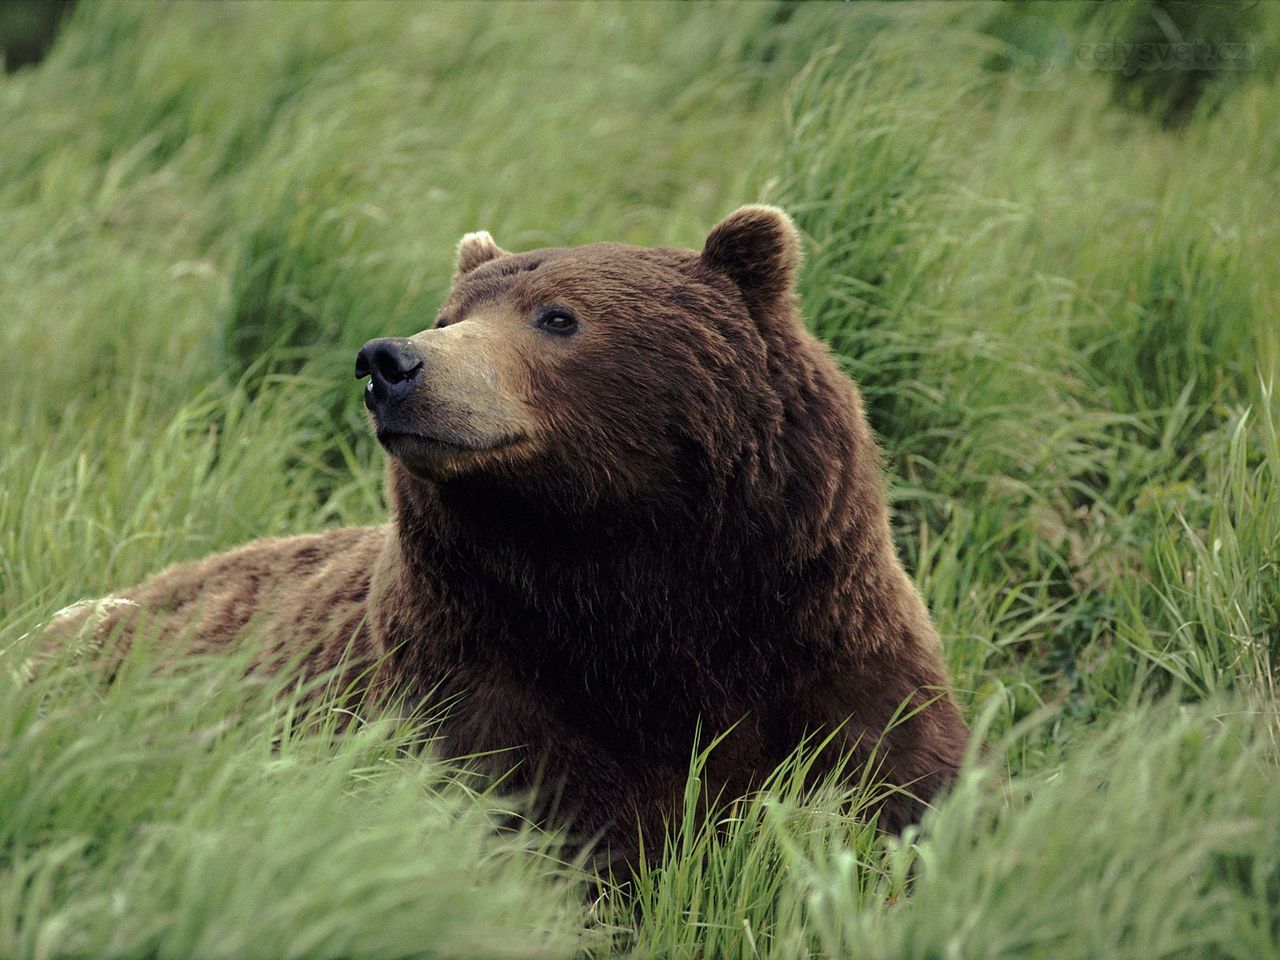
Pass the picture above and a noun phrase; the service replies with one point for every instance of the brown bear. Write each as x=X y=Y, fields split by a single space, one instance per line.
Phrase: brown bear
x=633 y=503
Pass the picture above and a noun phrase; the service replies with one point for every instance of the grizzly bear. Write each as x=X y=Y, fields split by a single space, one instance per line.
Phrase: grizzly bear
x=635 y=506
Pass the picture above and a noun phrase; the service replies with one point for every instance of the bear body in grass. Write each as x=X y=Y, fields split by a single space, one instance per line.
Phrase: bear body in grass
x=634 y=505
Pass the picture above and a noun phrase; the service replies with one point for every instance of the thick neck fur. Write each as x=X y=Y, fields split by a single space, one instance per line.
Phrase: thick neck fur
x=705 y=596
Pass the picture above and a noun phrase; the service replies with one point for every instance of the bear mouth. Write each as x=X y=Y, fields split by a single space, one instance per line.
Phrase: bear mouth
x=413 y=447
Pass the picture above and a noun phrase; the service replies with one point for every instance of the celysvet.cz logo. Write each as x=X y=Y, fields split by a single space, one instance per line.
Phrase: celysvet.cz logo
x=1129 y=57
x=1040 y=54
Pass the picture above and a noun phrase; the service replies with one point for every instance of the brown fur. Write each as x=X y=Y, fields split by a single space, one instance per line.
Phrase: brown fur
x=672 y=518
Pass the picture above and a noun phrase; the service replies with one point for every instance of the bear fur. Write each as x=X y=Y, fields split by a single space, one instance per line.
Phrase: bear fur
x=634 y=505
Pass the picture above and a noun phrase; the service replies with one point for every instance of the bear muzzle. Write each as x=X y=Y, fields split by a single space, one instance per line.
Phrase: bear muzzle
x=434 y=409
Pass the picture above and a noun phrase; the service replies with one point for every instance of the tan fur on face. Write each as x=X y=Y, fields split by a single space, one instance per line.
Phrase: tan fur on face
x=474 y=392
x=481 y=366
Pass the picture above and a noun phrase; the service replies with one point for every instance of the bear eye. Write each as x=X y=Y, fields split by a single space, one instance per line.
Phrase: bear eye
x=442 y=322
x=557 y=320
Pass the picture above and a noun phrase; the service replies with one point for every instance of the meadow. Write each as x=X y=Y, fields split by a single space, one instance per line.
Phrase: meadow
x=1056 y=283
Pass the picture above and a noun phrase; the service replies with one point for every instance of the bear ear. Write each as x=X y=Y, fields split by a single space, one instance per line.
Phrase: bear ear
x=758 y=248
x=475 y=249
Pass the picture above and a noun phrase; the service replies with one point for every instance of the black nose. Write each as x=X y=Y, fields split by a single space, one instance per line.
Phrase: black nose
x=392 y=364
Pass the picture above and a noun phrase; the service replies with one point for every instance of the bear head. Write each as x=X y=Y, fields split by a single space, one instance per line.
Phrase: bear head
x=606 y=373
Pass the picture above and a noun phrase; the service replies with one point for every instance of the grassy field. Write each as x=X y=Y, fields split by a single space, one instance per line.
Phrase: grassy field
x=1057 y=286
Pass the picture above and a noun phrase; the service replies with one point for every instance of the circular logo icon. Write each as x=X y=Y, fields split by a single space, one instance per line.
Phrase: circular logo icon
x=1039 y=52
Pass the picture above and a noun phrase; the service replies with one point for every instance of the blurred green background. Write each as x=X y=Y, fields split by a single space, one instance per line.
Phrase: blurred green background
x=1041 y=237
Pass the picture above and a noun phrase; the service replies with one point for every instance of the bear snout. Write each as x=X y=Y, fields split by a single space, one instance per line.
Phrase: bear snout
x=393 y=366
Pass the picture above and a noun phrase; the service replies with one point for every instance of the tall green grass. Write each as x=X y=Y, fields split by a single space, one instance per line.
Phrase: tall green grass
x=200 y=815
x=1060 y=300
